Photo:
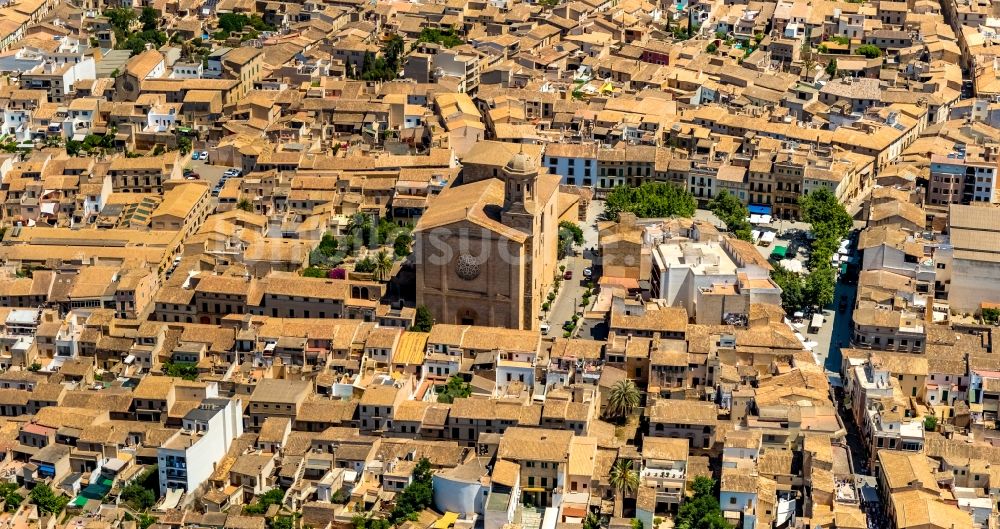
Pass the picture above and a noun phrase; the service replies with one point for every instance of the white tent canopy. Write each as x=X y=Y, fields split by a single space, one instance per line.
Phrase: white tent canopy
x=792 y=265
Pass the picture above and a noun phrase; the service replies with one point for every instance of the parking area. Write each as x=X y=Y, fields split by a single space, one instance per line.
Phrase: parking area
x=827 y=330
x=207 y=172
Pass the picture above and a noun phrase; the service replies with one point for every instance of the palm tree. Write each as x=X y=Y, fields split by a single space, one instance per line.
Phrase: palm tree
x=245 y=205
x=383 y=265
x=360 y=226
x=623 y=400
x=625 y=480
x=592 y=521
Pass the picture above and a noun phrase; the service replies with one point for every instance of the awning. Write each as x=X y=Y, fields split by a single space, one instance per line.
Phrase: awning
x=759 y=209
x=446 y=521
x=114 y=465
x=768 y=236
x=129 y=359
x=171 y=500
x=779 y=252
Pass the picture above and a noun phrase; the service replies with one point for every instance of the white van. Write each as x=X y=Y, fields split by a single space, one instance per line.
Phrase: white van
x=545 y=329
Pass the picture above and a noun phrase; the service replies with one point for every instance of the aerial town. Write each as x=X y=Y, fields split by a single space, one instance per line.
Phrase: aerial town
x=499 y=264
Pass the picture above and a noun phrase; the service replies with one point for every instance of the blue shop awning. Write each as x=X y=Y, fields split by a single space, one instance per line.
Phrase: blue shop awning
x=759 y=209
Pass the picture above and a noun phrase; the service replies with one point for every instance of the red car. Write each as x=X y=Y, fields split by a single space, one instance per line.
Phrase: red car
x=568 y=275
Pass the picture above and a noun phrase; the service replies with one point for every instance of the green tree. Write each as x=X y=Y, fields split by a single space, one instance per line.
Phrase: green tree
x=573 y=229
x=703 y=486
x=393 y=51
x=236 y=22
x=869 y=50
x=328 y=245
x=424 y=320
x=138 y=497
x=11 y=495
x=454 y=388
x=820 y=286
x=150 y=18
x=244 y=205
x=831 y=68
x=275 y=496
x=702 y=510
x=182 y=370
x=650 y=200
x=365 y=266
x=930 y=423
x=73 y=147
x=624 y=480
x=569 y=234
x=145 y=521
x=416 y=497
x=592 y=521
x=731 y=211
x=401 y=245
x=183 y=144
x=623 y=399
x=361 y=521
x=314 y=271
x=376 y=68
x=445 y=36
x=822 y=209
x=383 y=265
x=792 y=287
x=12 y=501
x=991 y=316
x=47 y=500
x=120 y=18
x=282 y=522
x=360 y=226
x=712 y=48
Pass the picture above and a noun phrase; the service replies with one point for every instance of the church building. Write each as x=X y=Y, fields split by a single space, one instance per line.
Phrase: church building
x=486 y=250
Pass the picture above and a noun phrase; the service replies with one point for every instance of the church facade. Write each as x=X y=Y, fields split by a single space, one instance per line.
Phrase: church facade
x=485 y=251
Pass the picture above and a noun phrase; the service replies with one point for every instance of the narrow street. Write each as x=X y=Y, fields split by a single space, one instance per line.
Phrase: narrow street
x=568 y=298
x=831 y=337
x=571 y=292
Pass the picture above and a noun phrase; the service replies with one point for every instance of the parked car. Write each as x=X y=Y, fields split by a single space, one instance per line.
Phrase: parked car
x=192 y=176
x=204 y=155
x=587 y=272
x=842 y=308
x=568 y=275
x=195 y=155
